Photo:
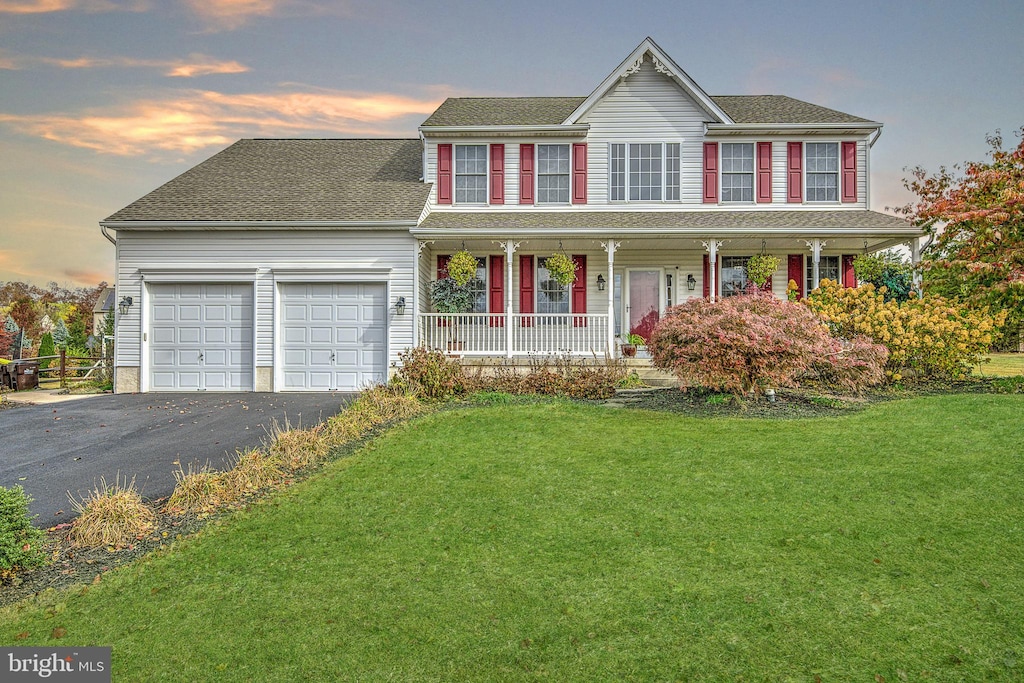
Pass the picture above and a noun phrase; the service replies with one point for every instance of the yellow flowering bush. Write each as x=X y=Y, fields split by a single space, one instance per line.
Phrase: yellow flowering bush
x=930 y=337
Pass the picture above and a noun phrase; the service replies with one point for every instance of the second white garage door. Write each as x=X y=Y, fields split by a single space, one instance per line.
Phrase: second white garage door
x=333 y=336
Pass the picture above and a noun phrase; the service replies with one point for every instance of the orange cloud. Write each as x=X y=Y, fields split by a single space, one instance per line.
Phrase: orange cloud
x=231 y=14
x=45 y=6
x=195 y=65
x=202 y=119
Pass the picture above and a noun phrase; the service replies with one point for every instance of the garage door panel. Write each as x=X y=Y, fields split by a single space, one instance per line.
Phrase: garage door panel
x=338 y=318
x=201 y=337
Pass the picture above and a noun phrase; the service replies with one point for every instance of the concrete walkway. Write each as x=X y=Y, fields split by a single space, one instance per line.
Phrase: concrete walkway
x=67 y=443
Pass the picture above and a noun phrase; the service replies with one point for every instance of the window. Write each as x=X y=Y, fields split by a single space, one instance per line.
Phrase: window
x=822 y=171
x=551 y=296
x=647 y=171
x=552 y=174
x=828 y=267
x=734 y=275
x=478 y=286
x=737 y=171
x=471 y=174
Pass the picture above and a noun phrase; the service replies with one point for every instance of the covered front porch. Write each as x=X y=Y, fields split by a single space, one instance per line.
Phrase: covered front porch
x=625 y=280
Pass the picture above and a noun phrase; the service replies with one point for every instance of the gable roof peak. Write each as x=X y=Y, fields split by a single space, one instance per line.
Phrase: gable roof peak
x=663 y=64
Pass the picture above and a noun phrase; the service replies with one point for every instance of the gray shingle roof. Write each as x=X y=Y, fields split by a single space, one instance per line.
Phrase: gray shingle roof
x=665 y=220
x=294 y=180
x=540 y=111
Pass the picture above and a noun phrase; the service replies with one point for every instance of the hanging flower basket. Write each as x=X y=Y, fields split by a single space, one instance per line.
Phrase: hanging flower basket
x=562 y=268
x=462 y=267
x=760 y=267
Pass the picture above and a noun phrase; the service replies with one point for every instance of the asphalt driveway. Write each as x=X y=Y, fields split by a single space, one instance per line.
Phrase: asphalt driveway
x=56 y=448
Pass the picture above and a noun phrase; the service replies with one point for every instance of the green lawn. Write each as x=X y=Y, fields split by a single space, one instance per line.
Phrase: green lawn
x=577 y=543
x=1002 y=365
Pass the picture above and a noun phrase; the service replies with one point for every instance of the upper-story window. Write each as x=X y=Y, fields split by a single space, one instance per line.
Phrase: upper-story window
x=471 y=174
x=553 y=174
x=822 y=171
x=644 y=171
x=737 y=172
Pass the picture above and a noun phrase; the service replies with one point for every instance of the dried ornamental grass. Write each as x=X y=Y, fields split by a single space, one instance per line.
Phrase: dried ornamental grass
x=199 y=489
x=297 y=448
x=112 y=516
x=254 y=470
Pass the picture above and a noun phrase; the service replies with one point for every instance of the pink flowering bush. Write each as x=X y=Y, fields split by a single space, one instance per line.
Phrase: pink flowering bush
x=749 y=343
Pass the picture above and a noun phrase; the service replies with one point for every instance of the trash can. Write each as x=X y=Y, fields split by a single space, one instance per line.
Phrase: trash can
x=6 y=376
x=28 y=374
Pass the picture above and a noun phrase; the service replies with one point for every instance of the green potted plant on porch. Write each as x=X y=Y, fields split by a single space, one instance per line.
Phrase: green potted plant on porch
x=451 y=298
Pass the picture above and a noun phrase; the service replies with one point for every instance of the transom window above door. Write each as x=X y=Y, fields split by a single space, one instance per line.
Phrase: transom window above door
x=471 y=174
x=644 y=171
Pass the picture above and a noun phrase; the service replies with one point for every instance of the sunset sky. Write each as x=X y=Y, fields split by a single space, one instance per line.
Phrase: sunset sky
x=101 y=101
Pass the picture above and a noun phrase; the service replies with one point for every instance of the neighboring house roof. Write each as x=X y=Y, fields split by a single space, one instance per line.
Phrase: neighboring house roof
x=105 y=302
x=664 y=220
x=262 y=180
x=545 y=111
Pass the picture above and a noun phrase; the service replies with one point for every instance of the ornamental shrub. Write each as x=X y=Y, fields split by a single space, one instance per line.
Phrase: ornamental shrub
x=928 y=337
x=888 y=270
x=751 y=342
x=21 y=544
x=46 y=348
x=430 y=373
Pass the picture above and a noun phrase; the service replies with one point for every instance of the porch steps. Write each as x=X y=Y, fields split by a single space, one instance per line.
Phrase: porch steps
x=650 y=375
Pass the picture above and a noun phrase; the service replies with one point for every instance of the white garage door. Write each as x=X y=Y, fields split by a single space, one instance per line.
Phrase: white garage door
x=200 y=337
x=333 y=336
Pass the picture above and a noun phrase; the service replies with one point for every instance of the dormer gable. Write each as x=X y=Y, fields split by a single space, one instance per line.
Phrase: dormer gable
x=648 y=51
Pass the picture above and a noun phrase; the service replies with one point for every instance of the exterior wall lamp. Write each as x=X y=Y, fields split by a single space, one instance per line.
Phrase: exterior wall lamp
x=691 y=282
x=400 y=306
x=124 y=305
x=600 y=282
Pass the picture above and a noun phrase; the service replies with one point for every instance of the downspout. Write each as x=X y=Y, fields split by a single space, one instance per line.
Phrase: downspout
x=873 y=140
x=106 y=234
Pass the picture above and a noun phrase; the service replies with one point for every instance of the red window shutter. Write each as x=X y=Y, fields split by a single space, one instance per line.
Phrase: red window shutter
x=579 y=290
x=796 y=273
x=849 y=276
x=526 y=174
x=710 y=172
x=707 y=276
x=526 y=288
x=442 y=266
x=764 y=173
x=444 y=174
x=795 y=172
x=579 y=173
x=496 y=290
x=497 y=174
x=849 y=171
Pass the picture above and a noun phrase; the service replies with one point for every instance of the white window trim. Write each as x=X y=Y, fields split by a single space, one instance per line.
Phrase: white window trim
x=753 y=175
x=664 y=171
x=536 y=174
x=839 y=172
x=487 y=174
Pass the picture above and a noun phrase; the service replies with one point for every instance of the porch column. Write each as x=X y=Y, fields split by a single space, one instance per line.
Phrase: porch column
x=510 y=250
x=610 y=246
x=416 y=291
x=815 y=246
x=915 y=261
x=712 y=248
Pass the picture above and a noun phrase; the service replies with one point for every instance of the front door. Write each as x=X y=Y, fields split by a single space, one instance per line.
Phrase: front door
x=643 y=301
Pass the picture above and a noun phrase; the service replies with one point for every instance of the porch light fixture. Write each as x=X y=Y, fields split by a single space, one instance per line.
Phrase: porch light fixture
x=600 y=282
x=691 y=282
x=400 y=306
x=124 y=305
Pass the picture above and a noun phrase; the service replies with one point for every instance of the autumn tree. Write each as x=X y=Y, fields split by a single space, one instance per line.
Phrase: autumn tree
x=976 y=220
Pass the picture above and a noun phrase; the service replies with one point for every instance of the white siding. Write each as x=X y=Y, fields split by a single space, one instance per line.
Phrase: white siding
x=205 y=254
x=647 y=106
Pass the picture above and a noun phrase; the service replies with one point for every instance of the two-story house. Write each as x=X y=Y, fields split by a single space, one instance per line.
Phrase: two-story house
x=288 y=265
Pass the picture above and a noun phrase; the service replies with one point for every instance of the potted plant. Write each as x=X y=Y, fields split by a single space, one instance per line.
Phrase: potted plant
x=760 y=267
x=449 y=297
x=561 y=267
x=633 y=340
x=462 y=267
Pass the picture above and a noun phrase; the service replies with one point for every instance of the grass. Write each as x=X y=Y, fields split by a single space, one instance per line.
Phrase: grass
x=1002 y=365
x=564 y=542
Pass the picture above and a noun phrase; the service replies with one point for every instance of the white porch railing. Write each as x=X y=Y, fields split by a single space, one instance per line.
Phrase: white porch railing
x=486 y=334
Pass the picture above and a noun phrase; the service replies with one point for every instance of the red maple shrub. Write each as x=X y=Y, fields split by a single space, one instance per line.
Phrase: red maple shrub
x=748 y=343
